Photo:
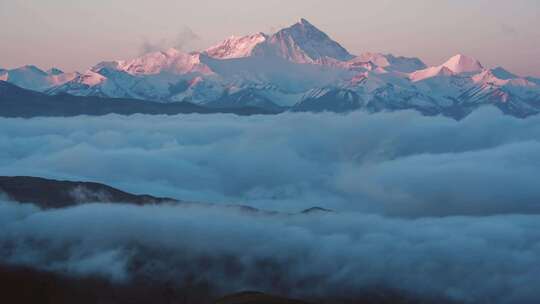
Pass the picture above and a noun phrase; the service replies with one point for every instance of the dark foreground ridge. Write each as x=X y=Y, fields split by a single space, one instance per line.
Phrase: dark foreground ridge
x=19 y=102
x=23 y=285
x=54 y=194
x=252 y=297
x=148 y=282
x=47 y=193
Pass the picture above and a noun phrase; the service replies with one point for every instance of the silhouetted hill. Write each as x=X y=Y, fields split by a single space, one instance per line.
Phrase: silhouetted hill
x=24 y=285
x=48 y=193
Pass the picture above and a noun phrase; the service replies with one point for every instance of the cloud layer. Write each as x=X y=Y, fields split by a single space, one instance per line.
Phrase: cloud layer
x=423 y=204
x=400 y=164
x=469 y=259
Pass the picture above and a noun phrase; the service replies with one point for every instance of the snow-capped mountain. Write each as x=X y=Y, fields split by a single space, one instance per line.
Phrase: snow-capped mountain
x=170 y=61
x=390 y=62
x=236 y=47
x=463 y=64
x=298 y=68
x=300 y=43
x=458 y=64
x=32 y=78
x=303 y=43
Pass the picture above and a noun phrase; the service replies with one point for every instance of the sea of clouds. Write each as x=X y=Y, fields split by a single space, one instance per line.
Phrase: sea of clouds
x=399 y=163
x=425 y=204
x=491 y=259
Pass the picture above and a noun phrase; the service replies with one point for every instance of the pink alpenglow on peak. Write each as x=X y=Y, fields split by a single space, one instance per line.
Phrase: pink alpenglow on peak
x=33 y=78
x=463 y=64
x=298 y=68
x=458 y=64
x=391 y=62
x=430 y=73
x=236 y=47
x=501 y=77
x=304 y=43
x=170 y=61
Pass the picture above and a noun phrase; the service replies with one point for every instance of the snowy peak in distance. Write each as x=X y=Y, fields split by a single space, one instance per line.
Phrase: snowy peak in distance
x=458 y=64
x=297 y=68
x=90 y=78
x=430 y=73
x=33 y=78
x=30 y=69
x=304 y=43
x=501 y=78
x=170 y=61
x=390 y=62
x=463 y=64
x=236 y=47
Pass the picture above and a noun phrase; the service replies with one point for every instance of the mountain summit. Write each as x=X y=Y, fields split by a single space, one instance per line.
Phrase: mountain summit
x=304 y=43
x=458 y=64
x=298 y=68
x=236 y=47
x=463 y=64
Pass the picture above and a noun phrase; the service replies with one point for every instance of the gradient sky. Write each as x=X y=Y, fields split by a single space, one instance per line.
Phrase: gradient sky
x=74 y=35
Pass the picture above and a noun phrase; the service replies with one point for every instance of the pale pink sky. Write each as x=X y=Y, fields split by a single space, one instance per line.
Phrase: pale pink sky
x=74 y=35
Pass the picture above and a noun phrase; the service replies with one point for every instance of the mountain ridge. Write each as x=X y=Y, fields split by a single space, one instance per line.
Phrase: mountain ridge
x=19 y=102
x=283 y=69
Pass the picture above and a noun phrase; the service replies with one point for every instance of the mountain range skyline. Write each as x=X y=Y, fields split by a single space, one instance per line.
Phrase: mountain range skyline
x=432 y=31
x=298 y=68
x=169 y=46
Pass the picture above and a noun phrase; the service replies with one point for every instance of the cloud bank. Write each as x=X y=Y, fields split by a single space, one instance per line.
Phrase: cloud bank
x=426 y=205
x=399 y=164
x=321 y=255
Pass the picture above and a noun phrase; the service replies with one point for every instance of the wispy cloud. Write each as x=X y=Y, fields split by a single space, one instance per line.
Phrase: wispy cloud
x=185 y=37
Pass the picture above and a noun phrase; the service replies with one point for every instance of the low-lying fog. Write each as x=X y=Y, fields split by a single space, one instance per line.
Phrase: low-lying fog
x=424 y=204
